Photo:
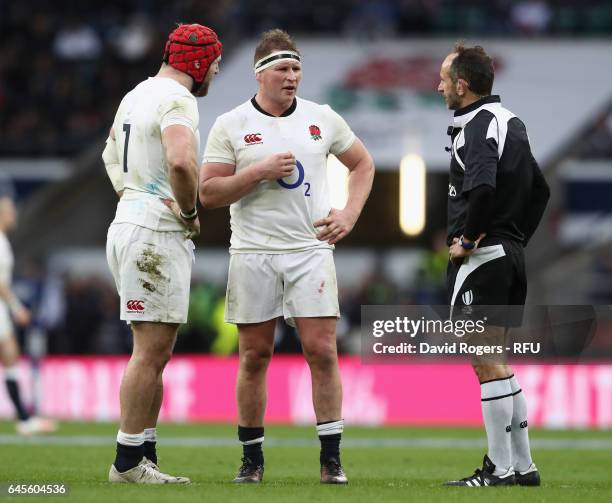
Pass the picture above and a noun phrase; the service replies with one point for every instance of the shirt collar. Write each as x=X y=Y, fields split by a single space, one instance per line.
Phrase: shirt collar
x=466 y=114
x=286 y=113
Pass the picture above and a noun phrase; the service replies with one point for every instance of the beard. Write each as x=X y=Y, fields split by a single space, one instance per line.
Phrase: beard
x=200 y=90
x=453 y=102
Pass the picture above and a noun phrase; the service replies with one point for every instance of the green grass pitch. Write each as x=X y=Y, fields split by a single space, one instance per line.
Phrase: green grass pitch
x=383 y=465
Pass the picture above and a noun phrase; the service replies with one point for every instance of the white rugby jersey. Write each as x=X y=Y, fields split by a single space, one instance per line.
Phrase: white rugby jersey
x=143 y=114
x=278 y=215
x=6 y=261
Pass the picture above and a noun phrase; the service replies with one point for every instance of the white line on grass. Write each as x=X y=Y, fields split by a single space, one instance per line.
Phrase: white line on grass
x=365 y=443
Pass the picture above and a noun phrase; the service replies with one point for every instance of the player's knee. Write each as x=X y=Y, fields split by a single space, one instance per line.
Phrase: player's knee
x=321 y=353
x=162 y=359
x=9 y=356
x=255 y=360
x=156 y=359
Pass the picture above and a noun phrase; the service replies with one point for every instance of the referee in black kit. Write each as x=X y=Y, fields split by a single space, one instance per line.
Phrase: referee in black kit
x=497 y=195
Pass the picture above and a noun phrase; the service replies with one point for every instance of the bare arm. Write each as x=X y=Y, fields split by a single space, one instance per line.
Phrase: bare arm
x=180 y=152
x=361 y=176
x=6 y=294
x=221 y=186
x=20 y=313
x=110 y=157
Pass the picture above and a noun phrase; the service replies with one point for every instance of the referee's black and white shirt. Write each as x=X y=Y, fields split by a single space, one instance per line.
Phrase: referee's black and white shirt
x=490 y=147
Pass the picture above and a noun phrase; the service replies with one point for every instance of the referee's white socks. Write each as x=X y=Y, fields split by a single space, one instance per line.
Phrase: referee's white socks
x=497 y=405
x=330 y=428
x=521 y=453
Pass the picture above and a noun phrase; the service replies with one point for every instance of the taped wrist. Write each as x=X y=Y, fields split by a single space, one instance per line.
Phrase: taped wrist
x=189 y=215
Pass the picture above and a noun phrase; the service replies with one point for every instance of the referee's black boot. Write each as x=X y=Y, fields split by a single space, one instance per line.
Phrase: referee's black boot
x=332 y=472
x=249 y=473
x=484 y=477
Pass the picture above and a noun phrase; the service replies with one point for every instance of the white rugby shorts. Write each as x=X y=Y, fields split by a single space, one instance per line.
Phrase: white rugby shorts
x=262 y=287
x=152 y=271
x=6 y=324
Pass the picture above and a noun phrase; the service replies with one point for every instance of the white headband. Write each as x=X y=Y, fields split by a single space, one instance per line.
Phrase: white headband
x=274 y=58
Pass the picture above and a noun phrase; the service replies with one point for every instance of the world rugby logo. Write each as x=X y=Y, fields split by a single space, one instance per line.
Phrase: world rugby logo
x=467 y=297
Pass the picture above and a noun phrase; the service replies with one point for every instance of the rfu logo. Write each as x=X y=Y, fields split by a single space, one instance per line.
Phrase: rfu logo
x=467 y=297
x=135 y=306
x=452 y=192
x=252 y=138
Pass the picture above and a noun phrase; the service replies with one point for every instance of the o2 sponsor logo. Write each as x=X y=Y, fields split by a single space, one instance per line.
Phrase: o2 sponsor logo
x=135 y=306
x=300 y=180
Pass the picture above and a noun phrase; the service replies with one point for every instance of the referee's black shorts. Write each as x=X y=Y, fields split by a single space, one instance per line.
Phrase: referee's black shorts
x=494 y=275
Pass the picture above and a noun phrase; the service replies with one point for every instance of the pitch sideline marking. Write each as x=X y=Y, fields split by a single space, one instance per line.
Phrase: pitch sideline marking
x=364 y=443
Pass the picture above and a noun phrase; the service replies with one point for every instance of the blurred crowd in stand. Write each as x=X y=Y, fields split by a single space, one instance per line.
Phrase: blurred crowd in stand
x=64 y=65
x=597 y=143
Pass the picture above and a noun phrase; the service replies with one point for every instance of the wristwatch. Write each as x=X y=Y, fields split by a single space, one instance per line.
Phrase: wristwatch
x=467 y=246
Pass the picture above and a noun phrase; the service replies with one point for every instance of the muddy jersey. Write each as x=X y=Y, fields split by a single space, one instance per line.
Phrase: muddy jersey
x=143 y=114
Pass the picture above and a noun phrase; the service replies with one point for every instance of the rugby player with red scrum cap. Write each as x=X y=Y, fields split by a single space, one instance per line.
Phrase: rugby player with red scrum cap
x=151 y=160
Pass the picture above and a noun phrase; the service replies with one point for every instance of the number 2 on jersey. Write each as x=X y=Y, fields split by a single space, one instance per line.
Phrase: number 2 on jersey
x=126 y=128
x=298 y=182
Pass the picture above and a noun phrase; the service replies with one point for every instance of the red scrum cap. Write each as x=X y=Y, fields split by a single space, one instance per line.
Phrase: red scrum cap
x=191 y=49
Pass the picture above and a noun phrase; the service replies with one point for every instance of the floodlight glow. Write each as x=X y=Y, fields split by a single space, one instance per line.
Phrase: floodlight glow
x=337 y=180
x=412 y=195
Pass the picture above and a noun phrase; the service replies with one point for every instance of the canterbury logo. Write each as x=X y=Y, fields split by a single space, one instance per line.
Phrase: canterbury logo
x=135 y=305
x=468 y=297
x=252 y=138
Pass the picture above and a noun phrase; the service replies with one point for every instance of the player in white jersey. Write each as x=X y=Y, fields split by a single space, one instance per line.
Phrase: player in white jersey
x=267 y=159
x=151 y=159
x=11 y=306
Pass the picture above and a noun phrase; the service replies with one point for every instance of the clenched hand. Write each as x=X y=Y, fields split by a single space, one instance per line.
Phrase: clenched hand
x=336 y=225
x=276 y=166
